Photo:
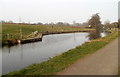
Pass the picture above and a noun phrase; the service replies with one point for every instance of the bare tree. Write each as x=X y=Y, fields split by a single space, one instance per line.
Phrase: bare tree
x=95 y=23
x=95 y=20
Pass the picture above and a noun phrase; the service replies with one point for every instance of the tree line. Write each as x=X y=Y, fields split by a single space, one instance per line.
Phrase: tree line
x=93 y=22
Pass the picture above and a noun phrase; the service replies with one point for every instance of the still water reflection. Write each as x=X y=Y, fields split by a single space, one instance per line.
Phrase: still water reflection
x=0 y=61
x=17 y=57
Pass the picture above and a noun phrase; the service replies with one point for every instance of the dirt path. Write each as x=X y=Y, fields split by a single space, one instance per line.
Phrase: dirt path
x=102 y=62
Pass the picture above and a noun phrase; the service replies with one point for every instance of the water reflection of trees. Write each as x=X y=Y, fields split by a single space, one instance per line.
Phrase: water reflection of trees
x=94 y=35
x=97 y=33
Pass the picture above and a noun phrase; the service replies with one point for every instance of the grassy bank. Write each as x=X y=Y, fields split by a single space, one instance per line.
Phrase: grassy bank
x=14 y=30
x=60 y=62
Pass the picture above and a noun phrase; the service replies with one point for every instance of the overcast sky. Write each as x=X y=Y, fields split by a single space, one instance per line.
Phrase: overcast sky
x=58 y=10
x=119 y=10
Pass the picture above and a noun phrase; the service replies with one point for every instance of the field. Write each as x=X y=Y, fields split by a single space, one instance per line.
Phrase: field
x=14 y=30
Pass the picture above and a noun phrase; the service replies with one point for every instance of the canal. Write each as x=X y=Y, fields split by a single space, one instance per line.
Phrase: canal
x=17 y=57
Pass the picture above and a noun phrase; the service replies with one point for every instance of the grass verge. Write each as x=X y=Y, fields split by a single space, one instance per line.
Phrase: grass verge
x=60 y=62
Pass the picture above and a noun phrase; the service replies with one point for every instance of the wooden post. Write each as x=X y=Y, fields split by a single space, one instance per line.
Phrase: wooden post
x=8 y=36
x=20 y=33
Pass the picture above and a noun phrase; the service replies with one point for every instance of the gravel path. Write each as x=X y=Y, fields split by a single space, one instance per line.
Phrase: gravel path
x=102 y=62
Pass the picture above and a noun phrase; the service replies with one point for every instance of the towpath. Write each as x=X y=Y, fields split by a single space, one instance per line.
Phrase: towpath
x=102 y=62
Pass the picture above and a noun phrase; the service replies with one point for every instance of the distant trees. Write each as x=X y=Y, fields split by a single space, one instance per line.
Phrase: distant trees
x=62 y=24
x=114 y=25
x=10 y=21
x=59 y=23
x=107 y=22
x=40 y=23
x=2 y=21
x=109 y=25
x=55 y=24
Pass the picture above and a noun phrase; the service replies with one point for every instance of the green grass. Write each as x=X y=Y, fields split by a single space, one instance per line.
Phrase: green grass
x=60 y=62
x=14 y=30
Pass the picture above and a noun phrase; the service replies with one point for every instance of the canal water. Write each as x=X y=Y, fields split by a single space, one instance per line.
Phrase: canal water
x=17 y=57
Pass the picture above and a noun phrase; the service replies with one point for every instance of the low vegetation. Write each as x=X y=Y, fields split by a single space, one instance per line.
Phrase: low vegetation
x=14 y=30
x=60 y=62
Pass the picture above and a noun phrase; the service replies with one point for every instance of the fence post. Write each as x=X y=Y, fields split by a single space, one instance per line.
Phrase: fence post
x=8 y=36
